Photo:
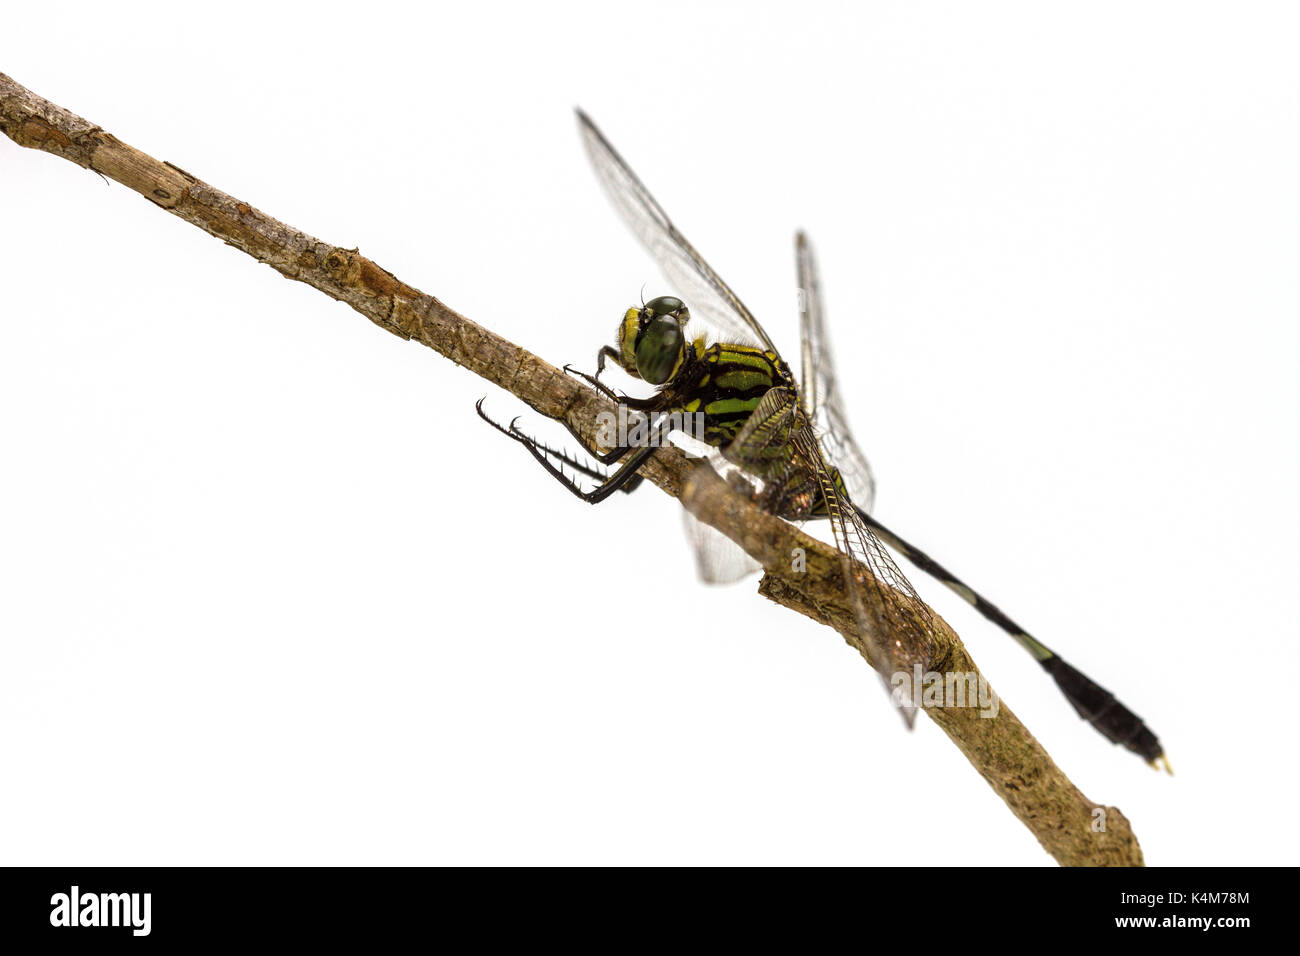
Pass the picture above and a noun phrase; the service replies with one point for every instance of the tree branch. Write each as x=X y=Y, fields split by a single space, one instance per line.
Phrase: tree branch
x=1000 y=748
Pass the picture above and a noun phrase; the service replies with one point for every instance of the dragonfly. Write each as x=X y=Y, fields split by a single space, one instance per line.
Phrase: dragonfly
x=789 y=440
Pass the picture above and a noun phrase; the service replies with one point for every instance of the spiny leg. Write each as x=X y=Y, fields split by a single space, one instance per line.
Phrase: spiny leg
x=624 y=401
x=572 y=461
x=544 y=452
x=625 y=477
x=607 y=351
x=595 y=382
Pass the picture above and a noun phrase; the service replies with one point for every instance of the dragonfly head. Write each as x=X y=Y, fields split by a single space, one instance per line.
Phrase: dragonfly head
x=652 y=339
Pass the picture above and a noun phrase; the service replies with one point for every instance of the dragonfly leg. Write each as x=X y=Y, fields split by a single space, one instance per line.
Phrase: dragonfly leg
x=595 y=382
x=572 y=460
x=624 y=478
x=608 y=351
x=618 y=451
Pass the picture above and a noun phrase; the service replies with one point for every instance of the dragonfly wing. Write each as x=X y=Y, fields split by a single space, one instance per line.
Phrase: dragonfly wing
x=697 y=284
x=718 y=559
x=819 y=392
x=896 y=625
x=778 y=445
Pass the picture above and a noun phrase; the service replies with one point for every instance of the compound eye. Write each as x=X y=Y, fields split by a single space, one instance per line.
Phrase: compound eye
x=664 y=305
x=659 y=349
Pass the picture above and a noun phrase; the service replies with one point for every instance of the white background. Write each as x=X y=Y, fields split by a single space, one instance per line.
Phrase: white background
x=271 y=593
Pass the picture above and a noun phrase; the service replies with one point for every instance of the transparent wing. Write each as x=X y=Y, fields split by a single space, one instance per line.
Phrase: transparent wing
x=695 y=282
x=718 y=559
x=819 y=392
x=779 y=446
x=895 y=622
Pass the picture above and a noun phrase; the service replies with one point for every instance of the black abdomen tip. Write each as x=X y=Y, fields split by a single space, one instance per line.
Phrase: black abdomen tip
x=1099 y=707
